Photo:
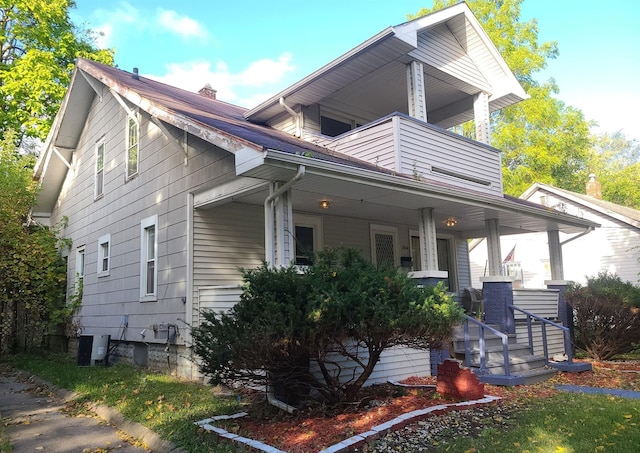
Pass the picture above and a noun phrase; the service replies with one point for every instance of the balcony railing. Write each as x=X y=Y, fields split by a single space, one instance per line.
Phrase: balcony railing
x=406 y=145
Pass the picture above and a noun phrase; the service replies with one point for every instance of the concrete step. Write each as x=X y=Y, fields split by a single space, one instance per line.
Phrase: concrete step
x=516 y=364
x=474 y=342
x=496 y=353
x=521 y=378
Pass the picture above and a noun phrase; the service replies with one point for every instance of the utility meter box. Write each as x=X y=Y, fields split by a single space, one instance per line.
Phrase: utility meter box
x=93 y=349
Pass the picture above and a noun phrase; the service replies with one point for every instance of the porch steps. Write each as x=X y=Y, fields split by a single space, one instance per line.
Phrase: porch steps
x=524 y=367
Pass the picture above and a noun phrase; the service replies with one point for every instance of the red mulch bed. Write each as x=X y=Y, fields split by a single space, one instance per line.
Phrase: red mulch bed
x=318 y=428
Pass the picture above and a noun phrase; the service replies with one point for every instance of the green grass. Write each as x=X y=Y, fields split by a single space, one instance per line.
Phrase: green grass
x=5 y=445
x=565 y=423
x=164 y=404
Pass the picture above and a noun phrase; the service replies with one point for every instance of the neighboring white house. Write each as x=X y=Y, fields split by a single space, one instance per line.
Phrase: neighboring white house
x=613 y=247
x=168 y=193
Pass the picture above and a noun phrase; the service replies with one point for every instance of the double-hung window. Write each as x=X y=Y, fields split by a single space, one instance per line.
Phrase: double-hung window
x=148 y=259
x=104 y=255
x=132 y=146
x=79 y=265
x=99 y=182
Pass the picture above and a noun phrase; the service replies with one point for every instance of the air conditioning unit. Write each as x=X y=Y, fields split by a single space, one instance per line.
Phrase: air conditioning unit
x=93 y=349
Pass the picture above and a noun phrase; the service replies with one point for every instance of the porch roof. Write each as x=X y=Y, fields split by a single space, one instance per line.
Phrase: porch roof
x=364 y=193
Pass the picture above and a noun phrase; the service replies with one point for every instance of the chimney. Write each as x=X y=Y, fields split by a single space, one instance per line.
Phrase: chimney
x=207 y=92
x=593 y=187
x=135 y=74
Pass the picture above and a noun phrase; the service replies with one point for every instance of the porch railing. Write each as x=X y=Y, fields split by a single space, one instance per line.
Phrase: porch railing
x=544 y=323
x=481 y=345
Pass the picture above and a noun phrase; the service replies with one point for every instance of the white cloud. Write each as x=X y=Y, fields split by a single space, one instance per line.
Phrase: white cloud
x=125 y=17
x=183 y=26
x=238 y=88
x=266 y=71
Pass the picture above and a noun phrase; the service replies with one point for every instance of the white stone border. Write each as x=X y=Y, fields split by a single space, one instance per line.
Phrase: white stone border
x=345 y=445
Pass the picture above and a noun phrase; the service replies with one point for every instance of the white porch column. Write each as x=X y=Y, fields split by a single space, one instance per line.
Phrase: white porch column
x=428 y=241
x=555 y=255
x=482 y=117
x=285 y=230
x=494 y=253
x=415 y=91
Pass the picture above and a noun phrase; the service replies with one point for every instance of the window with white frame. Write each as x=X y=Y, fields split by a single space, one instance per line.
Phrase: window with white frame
x=334 y=123
x=148 y=259
x=99 y=182
x=80 y=264
x=132 y=146
x=104 y=255
x=308 y=238
x=384 y=245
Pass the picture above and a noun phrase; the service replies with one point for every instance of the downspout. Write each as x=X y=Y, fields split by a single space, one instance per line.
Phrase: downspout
x=589 y=230
x=295 y=115
x=271 y=398
x=268 y=213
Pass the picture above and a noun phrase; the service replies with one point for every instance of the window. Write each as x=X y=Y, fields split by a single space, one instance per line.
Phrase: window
x=132 y=147
x=104 y=254
x=384 y=245
x=80 y=264
x=308 y=238
x=99 y=183
x=148 y=259
x=333 y=123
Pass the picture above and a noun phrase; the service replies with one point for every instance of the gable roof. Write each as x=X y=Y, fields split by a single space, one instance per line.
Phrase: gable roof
x=454 y=27
x=274 y=155
x=623 y=214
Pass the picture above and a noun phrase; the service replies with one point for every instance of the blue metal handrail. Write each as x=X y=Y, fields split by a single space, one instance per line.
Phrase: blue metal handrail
x=545 y=321
x=481 y=345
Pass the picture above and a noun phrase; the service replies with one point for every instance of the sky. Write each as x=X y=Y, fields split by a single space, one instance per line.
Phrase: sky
x=248 y=50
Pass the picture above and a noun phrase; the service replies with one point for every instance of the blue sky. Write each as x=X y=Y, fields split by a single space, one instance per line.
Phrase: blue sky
x=251 y=49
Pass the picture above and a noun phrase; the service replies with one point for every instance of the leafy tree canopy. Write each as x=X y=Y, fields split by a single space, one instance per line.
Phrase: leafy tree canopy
x=39 y=45
x=616 y=163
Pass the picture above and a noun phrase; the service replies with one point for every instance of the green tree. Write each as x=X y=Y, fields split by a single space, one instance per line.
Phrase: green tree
x=39 y=45
x=32 y=271
x=341 y=314
x=616 y=163
x=542 y=139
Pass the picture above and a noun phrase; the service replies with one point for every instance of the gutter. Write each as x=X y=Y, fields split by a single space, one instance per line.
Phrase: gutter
x=579 y=235
x=268 y=213
x=294 y=114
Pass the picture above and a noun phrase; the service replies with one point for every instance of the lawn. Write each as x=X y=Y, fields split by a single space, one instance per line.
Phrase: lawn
x=162 y=403
x=541 y=419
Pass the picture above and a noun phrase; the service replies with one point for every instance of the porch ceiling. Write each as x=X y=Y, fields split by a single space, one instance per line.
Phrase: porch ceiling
x=384 y=198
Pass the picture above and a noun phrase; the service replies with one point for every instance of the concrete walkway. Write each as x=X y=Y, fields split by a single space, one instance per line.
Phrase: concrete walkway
x=33 y=419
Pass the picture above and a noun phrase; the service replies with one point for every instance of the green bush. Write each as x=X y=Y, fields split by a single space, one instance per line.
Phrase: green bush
x=606 y=316
x=340 y=314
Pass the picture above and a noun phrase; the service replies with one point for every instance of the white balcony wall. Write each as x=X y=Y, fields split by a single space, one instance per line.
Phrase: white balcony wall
x=412 y=147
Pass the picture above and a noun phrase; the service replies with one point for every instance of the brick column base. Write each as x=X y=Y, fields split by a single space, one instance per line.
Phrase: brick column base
x=457 y=382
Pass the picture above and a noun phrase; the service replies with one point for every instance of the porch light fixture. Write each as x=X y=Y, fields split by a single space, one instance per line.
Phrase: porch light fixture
x=451 y=222
x=324 y=204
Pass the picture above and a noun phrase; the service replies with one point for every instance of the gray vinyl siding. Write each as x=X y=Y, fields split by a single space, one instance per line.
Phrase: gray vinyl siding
x=541 y=302
x=439 y=49
x=160 y=188
x=412 y=147
x=284 y=122
x=425 y=149
x=555 y=339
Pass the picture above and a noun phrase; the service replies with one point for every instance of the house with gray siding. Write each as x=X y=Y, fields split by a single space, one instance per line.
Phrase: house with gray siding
x=167 y=193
